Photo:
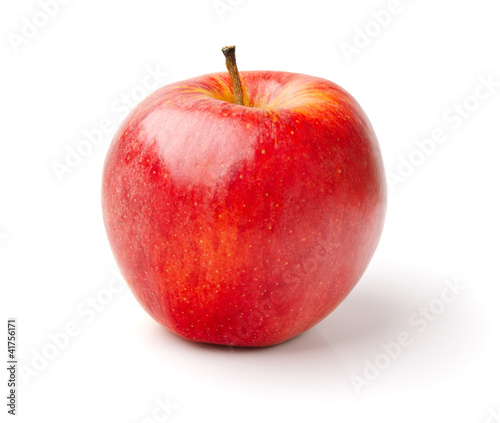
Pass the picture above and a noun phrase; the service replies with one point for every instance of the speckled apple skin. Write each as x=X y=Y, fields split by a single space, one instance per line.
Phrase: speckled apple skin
x=244 y=225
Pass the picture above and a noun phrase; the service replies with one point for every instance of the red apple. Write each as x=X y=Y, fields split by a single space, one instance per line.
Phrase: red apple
x=244 y=224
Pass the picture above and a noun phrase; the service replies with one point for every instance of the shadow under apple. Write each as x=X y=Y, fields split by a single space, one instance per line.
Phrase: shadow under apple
x=322 y=360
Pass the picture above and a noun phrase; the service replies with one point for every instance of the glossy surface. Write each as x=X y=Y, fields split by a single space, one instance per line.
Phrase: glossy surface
x=244 y=225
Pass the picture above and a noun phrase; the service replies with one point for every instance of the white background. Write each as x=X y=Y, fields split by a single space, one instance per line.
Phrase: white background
x=72 y=72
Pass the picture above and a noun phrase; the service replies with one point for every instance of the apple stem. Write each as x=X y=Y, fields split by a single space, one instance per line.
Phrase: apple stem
x=230 y=55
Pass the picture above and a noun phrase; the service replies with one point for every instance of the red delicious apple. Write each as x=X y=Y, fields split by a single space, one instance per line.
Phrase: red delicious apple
x=244 y=224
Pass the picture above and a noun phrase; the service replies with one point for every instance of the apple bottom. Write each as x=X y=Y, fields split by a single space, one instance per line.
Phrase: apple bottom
x=251 y=293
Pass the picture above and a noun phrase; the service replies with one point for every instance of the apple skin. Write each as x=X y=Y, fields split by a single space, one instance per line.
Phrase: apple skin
x=244 y=225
